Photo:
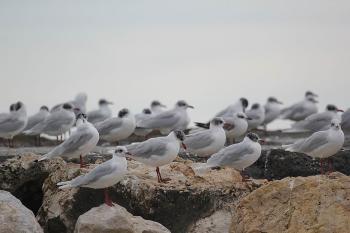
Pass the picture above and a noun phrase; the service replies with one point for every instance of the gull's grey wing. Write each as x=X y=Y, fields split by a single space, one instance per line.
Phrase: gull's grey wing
x=229 y=155
x=10 y=123
x=253 y=114
x=295 y=109
x=105 y=127
x=199 y=140
x=55 y=121
x=311 y=143
x=95 y=116
x=94 y=175
x=153 y=146
x=315 y=122
x=162 y=120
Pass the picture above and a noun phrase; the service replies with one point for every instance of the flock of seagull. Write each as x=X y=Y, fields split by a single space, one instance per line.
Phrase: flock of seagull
x=215 y=139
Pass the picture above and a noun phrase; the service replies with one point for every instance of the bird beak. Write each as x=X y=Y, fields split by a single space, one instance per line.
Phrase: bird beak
x=184 y=146
x=109 y=102
x=76 y=109
x=162 y=105
x=249 y=118
x=279 y=102
x=261 y=141
x=340 y=110
x=228 y=126
x=190 y=106
x=314 y=95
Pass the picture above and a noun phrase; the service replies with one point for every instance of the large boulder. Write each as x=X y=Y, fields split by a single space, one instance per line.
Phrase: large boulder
x=303 y=204
x=116 y=219
x=15 y=217
x=176 y=205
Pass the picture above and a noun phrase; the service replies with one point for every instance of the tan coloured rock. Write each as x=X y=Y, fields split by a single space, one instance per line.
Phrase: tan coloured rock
x=176 y=205
x=116 y=219
x=317 y=204
x=218 y=222
x=15 y=217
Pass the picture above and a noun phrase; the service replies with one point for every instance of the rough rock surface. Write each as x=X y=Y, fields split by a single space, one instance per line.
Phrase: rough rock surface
x=116 y=219
x=176 y=205
x=15 y=217
x=316 y=204
x=218 y=222
x=23 y=177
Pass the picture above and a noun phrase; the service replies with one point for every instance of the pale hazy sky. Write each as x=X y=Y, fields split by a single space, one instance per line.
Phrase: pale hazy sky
x=209 y=53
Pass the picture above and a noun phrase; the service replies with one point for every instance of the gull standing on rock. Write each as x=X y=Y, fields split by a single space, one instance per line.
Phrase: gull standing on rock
x=79 y=144
x=301 y=110
x=256 y=115
x=272 y=110
x=317 y=121
x=207 y=142
x=158 y=151
x=238 y=156
x=157 y=107
x=321 y=144
x=55 y=124
x=103 y=175
x=14 y=122
x=167 y=121
x=103 y=113
x=117 y=128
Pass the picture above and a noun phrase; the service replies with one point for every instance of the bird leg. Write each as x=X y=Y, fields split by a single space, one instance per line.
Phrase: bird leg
x=82 y=165
x=330 y=166
x=160 y=179
x=321 y=166
x=245 y=176
x=108 y=200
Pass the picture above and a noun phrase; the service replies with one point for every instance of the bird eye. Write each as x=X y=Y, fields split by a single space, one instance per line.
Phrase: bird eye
x=332 y=124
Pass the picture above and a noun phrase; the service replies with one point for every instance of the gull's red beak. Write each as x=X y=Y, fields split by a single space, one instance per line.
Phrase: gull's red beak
x=184 y=146
x=340 y=110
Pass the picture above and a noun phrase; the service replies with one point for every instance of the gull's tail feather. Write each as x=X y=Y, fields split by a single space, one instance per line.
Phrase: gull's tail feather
x=202 y=125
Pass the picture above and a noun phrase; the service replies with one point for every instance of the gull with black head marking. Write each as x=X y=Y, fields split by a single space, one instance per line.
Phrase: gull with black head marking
x=272 y=110
x=302 y=109
x=79 y=102
x=157 y=107
x=317 y=121
x=167 y=121
x=36 y=119
x=117 y=128
x=207 y=142
x=79 y=144
x=14 y=122
x=103 y=175
x=57 y=123
x=159 y=151
x=239 y=106
x=238 y=156
x=145 y=114
x=104 y=112
x=256 y=115
x=322 y=144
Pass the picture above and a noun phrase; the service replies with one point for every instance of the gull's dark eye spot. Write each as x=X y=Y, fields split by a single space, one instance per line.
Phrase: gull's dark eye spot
x=332 y=124
x=119 y=151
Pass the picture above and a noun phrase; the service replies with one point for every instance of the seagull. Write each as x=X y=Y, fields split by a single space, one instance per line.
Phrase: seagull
x=79 y=102
x=55 y=124
x=36 y=119
x=207 y=142
x=157 y=151
x=321 y=144
x=79 y=144
x=103 y=175
x=272 y=110
x=238 y=126
x=14 y=122
x=345 y=123
x=146 y=113
x=174 y=119
x=104 y=112
x=157 y=107
x=301 y=110
x=256 y=115
x=317 y=121
x=239 y=106
x=117 y=128
x=238 y=156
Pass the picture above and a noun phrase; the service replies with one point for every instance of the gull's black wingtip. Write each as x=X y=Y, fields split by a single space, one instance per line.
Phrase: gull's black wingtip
x=202 y=125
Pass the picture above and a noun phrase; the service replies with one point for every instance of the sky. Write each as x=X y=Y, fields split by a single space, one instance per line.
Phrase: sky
x=209 y=53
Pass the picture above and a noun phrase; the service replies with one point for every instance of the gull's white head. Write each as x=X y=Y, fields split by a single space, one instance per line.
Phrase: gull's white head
x=156 y=104
x=104 y=102
x=81 y=119
x=44 y=108
x=217 y=122
x=335 y=124
x=310 y=94
x=254 y=138
x=121 y=151
x=124 y=113
x=244 y=102
x=273 y=100
x=183 y=104
x=242 y=116
x=333 y=108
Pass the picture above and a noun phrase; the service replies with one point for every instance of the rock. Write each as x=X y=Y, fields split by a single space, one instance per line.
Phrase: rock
x=23 y=177
x=176 y=205
x=15 y=217
x=115 y=219
x=303 y=204
x=278 y=164
x=218 y=222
